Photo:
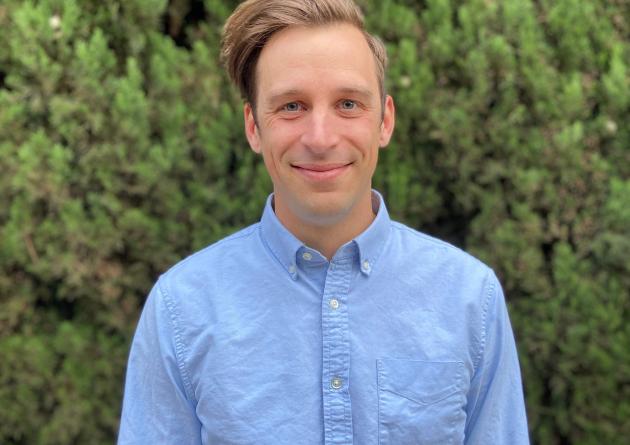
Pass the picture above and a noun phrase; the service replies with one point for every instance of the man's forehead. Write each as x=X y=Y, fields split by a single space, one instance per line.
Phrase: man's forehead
x=338 y=55
x=313 y=42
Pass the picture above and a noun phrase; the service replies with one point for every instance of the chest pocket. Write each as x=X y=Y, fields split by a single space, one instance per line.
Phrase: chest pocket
x=419 y=402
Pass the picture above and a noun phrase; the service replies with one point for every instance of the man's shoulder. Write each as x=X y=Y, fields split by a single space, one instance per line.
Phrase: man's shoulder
x=214 y=256
x=426 y=265
x=426 y=249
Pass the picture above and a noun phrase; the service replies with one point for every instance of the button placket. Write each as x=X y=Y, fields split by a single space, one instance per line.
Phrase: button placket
x=336 y=354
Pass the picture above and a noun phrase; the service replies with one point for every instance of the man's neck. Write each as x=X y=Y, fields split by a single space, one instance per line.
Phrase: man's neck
x=328 y=238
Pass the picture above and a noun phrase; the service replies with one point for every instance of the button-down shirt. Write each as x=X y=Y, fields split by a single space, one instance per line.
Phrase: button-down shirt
x=259 y=339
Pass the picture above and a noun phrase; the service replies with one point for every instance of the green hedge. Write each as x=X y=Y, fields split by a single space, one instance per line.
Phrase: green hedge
x=122 y=151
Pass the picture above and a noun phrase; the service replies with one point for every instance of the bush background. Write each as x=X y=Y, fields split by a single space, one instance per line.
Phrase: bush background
x=122 y=151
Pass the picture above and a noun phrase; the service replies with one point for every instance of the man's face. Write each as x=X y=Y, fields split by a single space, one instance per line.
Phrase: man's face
x=319 y=121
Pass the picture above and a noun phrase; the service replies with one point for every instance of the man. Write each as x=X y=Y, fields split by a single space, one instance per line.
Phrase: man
x=326 y=322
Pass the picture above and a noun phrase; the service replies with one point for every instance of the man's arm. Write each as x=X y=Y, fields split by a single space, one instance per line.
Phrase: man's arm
x=496 y=409
x=157 y=406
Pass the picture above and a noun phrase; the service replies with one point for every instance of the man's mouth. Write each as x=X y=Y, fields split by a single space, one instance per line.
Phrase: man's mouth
x=322 y=172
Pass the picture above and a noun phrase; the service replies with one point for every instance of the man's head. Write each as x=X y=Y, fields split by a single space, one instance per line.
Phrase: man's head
x=253 y=23
x=320 y=116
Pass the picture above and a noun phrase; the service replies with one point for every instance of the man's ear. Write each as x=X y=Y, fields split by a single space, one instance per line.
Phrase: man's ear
x=388 y=123
x=251 y=128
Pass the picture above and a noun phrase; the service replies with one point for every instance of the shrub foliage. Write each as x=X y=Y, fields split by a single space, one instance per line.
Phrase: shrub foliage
x=122 y=151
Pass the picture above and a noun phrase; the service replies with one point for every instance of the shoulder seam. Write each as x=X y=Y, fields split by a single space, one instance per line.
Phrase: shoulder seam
x=491 y=292
x=180 y=349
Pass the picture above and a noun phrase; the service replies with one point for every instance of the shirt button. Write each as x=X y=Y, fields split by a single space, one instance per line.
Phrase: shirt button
x=334 y=304
x=307 y=256
x=365 y=266
x=291 y=269
x=336 y=383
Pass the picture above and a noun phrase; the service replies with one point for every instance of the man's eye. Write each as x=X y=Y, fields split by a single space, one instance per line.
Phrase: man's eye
x=348 y=104
x=292 y=106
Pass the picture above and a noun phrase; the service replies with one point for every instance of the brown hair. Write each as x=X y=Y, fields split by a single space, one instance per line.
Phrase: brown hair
x=253 y=23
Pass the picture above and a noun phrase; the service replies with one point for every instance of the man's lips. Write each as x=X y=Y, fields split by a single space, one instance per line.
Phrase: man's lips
x=321 y=172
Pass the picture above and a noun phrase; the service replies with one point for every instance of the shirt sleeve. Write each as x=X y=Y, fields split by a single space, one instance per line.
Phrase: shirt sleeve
x=158 y=406
x=495 y=406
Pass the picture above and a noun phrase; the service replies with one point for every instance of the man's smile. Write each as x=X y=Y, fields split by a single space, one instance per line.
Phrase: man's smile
x=321 y=172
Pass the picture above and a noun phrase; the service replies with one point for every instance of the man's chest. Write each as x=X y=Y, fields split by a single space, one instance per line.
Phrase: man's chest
x=347 y=366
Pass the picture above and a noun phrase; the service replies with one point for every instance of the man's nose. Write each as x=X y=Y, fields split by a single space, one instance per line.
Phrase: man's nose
x=321 y=131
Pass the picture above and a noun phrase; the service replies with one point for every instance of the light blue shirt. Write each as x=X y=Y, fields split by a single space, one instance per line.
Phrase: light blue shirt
x=258 y=339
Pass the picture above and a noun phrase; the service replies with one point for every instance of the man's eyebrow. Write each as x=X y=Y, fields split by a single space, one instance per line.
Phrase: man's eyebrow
x=352 y=91
x=280 y=96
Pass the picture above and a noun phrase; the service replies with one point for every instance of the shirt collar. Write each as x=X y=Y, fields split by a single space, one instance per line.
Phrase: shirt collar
x=285 y=246
x=373 y=239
